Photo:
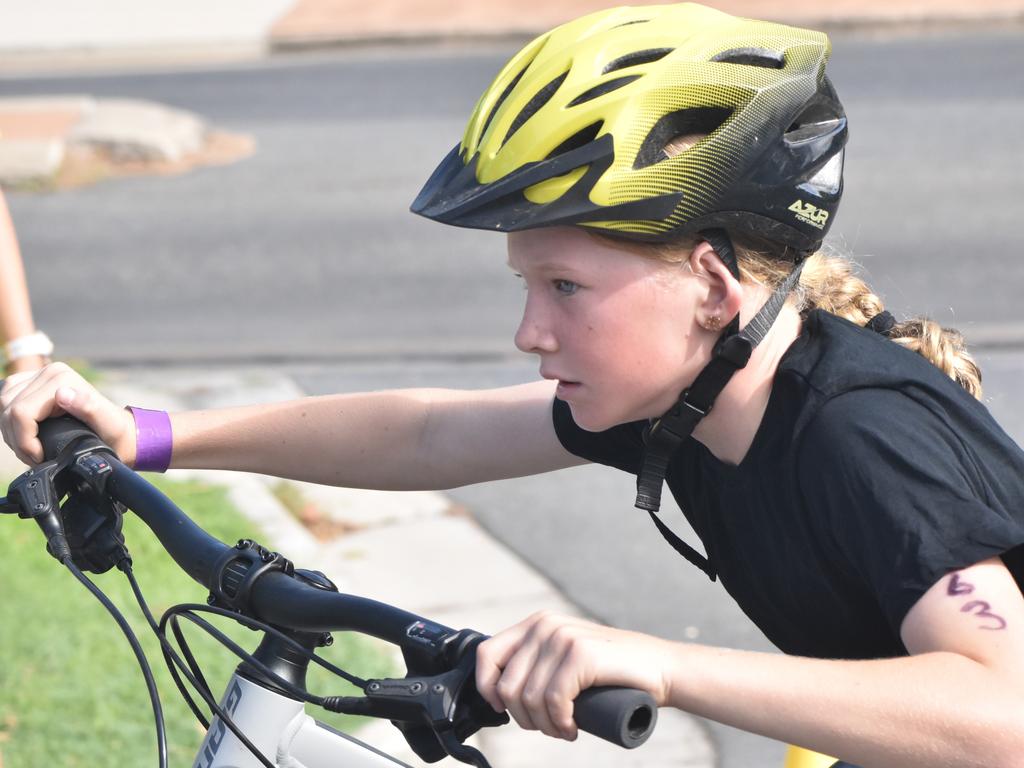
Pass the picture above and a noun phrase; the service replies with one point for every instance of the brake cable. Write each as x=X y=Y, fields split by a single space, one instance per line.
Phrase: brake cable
x=140 y=656
x=191 y=669
x=202 y=688
x=33 y=495
x=93 y=537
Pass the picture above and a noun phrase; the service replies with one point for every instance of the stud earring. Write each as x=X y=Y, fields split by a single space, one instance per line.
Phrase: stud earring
x=713 y=323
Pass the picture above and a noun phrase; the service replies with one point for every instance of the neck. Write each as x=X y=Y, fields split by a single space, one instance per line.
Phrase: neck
x=729 y=430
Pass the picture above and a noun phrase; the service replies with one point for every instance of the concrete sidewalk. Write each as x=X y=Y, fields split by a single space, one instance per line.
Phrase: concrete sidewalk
x=39 y=134
x=378 y=550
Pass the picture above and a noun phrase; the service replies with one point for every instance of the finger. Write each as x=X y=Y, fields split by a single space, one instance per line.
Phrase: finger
x=113 y=424
x=519 y=667
x=24 y=387
x=84 y=403
x=22 y=417
x=573 y=675
x=493 y=654
x=513 y=678
x=537 y=690
x=491 y=657
x=6 y=436
x=43 y=376
x=74 y=402
x=23 y=435
x=569 y=668
x=14 y=385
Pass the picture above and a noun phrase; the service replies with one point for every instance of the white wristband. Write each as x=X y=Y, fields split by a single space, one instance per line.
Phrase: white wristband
x=34 y=344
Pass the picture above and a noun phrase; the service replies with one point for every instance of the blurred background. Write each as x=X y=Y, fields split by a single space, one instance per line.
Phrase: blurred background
x=271 y=233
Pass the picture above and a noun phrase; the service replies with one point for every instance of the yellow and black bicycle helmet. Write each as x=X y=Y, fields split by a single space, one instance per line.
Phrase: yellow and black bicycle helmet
x=573 y=131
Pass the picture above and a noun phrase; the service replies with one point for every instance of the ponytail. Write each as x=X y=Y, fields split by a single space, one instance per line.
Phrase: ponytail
x=831 y=283
x=942 y=347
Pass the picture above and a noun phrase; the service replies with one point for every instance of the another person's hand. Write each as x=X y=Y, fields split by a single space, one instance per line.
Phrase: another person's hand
x=31 y=397
x=536 y=668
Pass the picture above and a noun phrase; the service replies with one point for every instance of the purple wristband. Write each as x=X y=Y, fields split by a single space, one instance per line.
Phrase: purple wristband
x=152 y=440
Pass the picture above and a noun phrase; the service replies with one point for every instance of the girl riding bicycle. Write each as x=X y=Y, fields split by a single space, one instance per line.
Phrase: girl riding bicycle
x=666 y=176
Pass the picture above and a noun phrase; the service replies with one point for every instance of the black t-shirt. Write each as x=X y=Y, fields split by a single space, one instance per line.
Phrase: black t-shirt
x=871 y=476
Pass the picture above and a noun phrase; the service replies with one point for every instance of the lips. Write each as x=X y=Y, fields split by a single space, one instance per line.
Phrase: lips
x=565 y=386
x=566 y=389
x=551 y=376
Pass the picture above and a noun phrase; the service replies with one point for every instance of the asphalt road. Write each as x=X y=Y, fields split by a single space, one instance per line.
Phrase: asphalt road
x=304 y=256
x=283 y=255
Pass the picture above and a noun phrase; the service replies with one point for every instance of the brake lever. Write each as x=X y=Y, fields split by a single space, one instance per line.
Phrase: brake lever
x=92 y=539
x=34 y=495
x=436 y=713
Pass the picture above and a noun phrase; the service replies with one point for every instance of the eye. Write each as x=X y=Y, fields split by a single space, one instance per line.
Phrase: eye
x=565 y=287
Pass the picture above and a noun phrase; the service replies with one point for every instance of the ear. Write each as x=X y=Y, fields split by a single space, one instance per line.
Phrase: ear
x=724 y=294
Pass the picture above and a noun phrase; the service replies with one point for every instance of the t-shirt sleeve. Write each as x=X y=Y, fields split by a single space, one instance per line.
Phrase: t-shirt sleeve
x=896 y=496
x=620 y=447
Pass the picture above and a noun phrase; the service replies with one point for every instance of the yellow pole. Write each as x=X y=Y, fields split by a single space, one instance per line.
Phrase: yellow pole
x=798 y=757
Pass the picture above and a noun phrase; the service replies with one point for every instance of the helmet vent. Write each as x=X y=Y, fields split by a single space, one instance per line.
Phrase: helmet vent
x=698 y=121
x=504 y=95
x=823 y=108
x=799 y=132
x=606 y=87
x=752 y=57
x=534 y=105
x=627 y=23
x=636 y=58
x=579 y=139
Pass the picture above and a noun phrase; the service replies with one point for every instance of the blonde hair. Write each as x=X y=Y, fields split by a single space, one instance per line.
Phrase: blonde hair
x=830 y=282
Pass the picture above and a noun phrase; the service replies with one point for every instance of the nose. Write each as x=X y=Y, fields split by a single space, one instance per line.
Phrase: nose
x=534 y=333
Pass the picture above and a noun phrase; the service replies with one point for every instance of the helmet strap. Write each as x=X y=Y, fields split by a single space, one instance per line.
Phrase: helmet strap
x=732 y=352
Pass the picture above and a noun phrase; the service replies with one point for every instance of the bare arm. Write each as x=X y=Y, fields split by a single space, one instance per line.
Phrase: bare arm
x=958 y=701
x=400 y=440
x=15 y=309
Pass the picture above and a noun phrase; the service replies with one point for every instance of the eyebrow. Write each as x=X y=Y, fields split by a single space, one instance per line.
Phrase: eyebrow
x=548 y=266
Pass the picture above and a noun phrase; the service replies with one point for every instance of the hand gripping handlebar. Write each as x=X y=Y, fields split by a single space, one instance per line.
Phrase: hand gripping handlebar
x=285 y=598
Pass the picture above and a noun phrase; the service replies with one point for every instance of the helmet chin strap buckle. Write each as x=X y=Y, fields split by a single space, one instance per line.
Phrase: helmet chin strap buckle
x=675 y=417
x=735 y=349
x=665 y=435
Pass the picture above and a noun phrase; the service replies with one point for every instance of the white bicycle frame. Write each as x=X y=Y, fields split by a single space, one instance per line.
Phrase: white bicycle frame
x=280 y=729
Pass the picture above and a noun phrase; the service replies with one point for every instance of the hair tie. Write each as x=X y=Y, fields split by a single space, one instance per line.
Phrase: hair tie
x=882 y=323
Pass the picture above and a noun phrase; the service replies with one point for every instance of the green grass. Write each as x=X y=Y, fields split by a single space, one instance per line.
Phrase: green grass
x=85 y=369
x=71 y=692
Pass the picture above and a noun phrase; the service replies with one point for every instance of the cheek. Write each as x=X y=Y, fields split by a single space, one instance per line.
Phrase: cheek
x=646 y=366
x=653 y=349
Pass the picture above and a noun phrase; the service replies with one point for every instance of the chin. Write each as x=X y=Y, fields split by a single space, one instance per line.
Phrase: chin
x=591 y=421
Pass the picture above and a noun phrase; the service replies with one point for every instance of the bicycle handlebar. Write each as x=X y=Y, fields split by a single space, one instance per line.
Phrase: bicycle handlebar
x=622 y=716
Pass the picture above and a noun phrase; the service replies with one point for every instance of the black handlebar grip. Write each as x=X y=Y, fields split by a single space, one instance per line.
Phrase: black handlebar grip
x=58 y=433
x=623 y=716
